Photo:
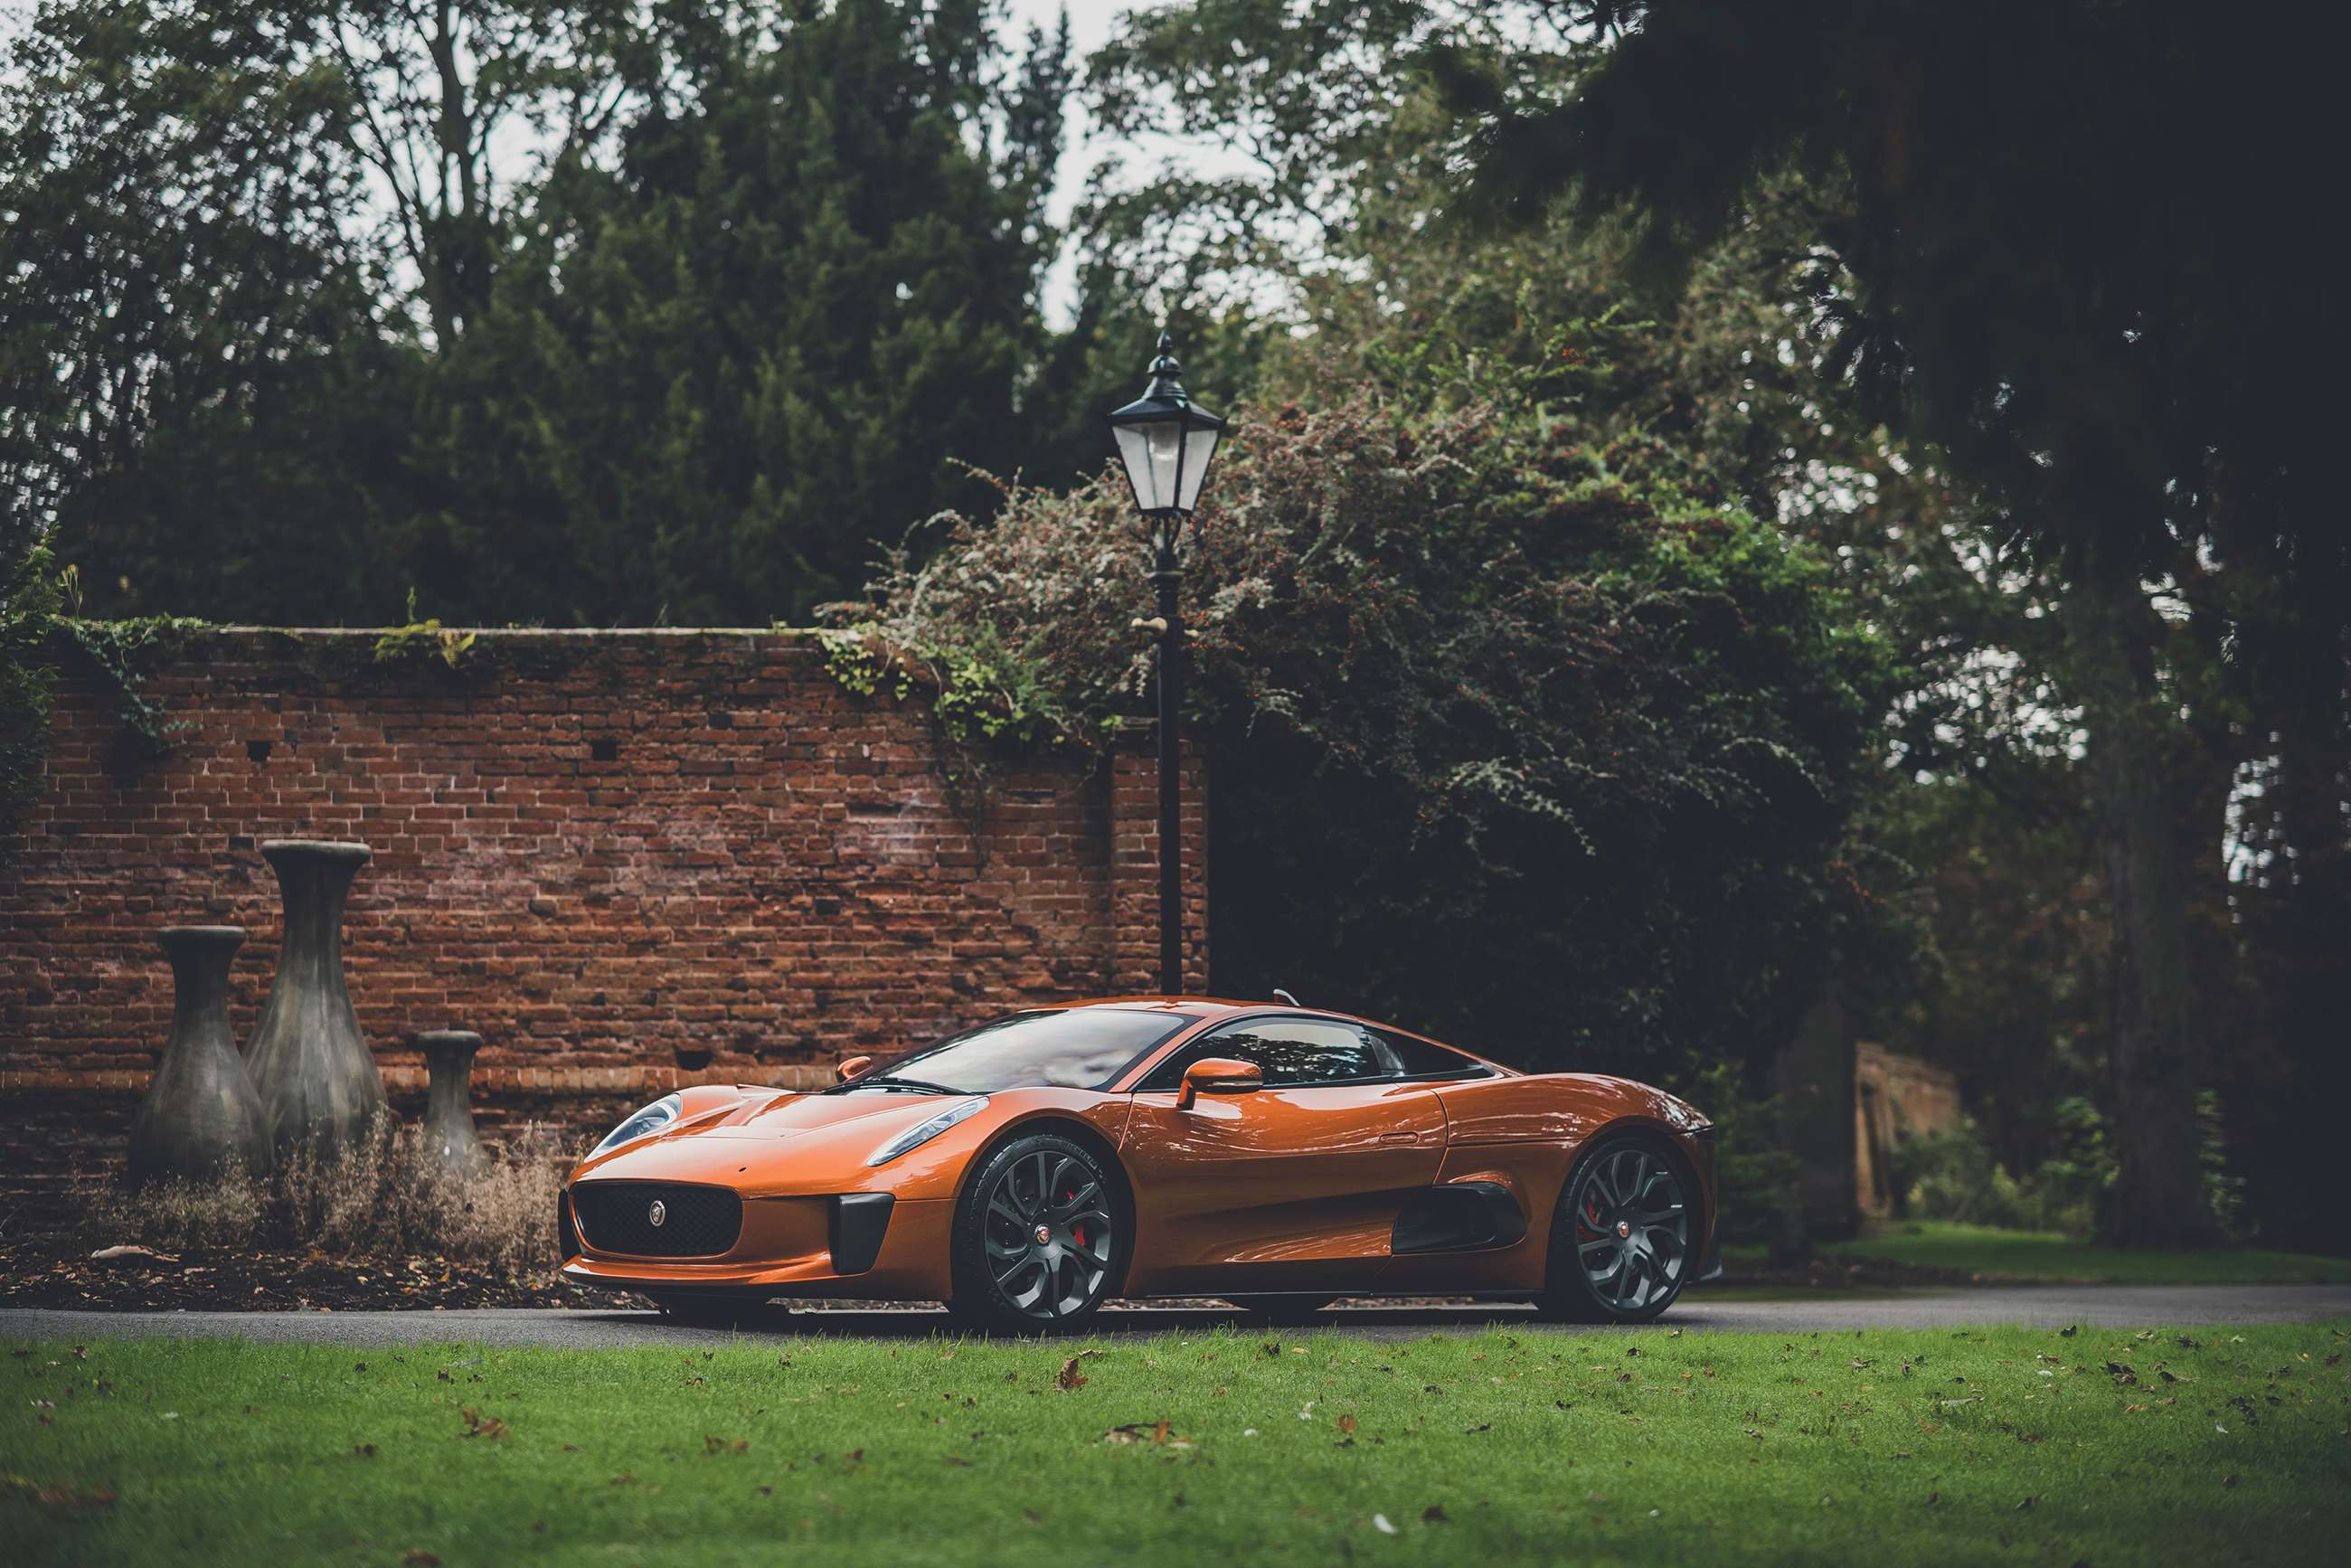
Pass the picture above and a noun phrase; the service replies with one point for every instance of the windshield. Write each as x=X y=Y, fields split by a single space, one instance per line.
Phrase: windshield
x=1086 y=1048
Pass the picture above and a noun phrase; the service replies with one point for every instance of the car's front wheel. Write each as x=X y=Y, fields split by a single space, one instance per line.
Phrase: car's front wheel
x=1037 y=1239
x=1620 y=1245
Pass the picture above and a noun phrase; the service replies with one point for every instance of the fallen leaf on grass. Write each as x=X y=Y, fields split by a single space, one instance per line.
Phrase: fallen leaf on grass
x=1346 y=1423
x=1380 y=1523
x=1156 y=1432
x=480 y=1425
x=2226 y=1482
x=420 y=1559
x=132 y=1254
x=2027 y=1502
x=1435 y=1512
x=64 y=1497
x=1970 y=1399
x=711 y=1445
x=1069 y=1379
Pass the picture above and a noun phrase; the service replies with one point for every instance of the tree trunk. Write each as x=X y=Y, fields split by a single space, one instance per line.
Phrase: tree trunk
x=2158 y=1198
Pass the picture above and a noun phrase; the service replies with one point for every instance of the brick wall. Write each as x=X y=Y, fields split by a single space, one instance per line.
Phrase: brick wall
x=631 y=860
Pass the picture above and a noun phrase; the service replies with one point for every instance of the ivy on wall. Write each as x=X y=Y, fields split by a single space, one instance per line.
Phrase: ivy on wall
x=29 y=598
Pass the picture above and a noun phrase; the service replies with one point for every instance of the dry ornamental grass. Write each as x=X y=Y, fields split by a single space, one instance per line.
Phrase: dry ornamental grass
x=386 y=1197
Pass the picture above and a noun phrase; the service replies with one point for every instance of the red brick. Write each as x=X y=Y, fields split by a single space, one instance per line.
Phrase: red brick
x=776 y=891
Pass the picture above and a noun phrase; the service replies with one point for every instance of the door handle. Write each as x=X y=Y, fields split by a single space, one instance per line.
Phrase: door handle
x=1399 y=1137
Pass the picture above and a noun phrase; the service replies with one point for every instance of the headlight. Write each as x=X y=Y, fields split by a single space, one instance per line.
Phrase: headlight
x=641 y=1124
x=922 y=1131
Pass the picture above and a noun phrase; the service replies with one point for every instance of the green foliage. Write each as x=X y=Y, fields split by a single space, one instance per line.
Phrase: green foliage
x=276 y=329
x=116 y=653
x=2001 y=269
x=715 y=366
x=423 y=638
x=30 y=600
x=1955 y=1176
x=1509 y=744
x=1755 y=1177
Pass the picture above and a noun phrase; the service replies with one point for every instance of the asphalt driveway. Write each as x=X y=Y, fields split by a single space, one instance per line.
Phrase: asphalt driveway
x=2053 y=1306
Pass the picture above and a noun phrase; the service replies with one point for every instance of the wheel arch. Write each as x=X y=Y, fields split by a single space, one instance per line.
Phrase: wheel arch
x=1086 y=1136
x=1659 y=1133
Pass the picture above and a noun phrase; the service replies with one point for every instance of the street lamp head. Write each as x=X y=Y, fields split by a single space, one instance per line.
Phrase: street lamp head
x=1166 y=443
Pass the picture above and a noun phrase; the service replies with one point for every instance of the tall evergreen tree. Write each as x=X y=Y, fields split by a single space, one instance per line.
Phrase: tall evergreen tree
x=800 y=299
x=2081 y=259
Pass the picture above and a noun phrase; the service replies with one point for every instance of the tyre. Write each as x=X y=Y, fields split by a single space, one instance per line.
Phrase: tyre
x=1293 y=1307
x=1620 y=1244
x=1038 y=1239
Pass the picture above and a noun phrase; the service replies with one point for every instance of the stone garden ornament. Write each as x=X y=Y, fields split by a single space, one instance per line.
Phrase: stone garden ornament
x=449 y=1135
x=317 y=1078
x=200 y=1115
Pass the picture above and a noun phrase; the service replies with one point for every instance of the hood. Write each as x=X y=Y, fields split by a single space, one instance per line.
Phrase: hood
x=808 y=1113
x=787 y=1144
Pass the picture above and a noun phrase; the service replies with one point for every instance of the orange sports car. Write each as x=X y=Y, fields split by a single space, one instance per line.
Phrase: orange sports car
x=1277 y=1156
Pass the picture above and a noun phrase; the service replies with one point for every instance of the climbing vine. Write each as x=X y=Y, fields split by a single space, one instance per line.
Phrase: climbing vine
x=982 y=700
x=29 y=597
x=116 y=653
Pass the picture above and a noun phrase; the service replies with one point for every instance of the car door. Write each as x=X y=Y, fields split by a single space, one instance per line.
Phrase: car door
x=1293 y=1184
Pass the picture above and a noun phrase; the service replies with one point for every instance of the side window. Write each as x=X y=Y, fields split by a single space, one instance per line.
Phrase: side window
x=1290 y=1052
x=1423 y=1059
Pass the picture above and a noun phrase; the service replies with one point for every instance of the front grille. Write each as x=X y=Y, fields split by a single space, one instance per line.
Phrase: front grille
x=566 y=1236
x=696 y=1221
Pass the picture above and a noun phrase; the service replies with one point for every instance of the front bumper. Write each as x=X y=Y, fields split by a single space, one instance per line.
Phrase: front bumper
x=844 y=1244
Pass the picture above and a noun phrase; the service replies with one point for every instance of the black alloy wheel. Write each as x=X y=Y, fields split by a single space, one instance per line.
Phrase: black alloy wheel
x=1620 y=1247
x=1037 y=1241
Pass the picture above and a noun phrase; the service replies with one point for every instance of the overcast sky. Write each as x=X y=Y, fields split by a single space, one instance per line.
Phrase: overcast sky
x=1090 y=25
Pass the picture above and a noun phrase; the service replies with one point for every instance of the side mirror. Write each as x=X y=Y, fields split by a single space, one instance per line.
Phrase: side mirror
x=850 y=1069
x=1217 y=1075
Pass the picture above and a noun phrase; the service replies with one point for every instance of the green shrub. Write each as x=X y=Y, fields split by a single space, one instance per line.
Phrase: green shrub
x=1517 y=736
x=1954 y=1175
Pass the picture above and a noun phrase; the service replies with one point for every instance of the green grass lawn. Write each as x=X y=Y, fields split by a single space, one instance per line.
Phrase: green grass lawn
x=1981 y=1250
x=1889 y=1447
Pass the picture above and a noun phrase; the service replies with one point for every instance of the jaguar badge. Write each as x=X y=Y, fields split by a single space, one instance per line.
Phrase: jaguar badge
x=657 y=1213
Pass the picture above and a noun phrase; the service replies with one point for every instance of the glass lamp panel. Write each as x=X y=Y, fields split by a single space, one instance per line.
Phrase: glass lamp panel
x=1199 y=446
x=1148 y=451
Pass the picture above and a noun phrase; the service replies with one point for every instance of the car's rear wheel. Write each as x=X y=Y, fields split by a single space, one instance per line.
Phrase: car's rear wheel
x=1037 y=1238
x=1293 y=1307
x=1620 y=1246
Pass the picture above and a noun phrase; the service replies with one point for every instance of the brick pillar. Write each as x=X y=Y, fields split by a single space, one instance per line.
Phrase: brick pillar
x=1134 y=865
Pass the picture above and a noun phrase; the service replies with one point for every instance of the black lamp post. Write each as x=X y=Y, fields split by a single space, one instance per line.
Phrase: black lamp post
x=1165 y=444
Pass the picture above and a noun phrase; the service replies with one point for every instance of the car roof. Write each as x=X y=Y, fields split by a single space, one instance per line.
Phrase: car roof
x=1213 y=1010
x=1197 y=1007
